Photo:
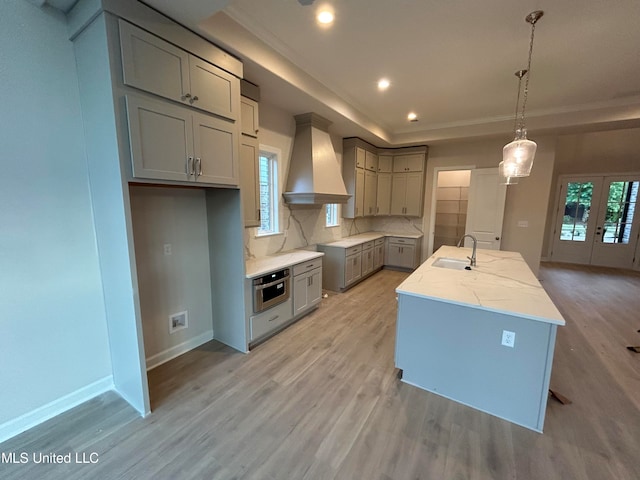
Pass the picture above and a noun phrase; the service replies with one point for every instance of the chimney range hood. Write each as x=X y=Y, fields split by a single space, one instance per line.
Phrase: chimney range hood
x=314 y=173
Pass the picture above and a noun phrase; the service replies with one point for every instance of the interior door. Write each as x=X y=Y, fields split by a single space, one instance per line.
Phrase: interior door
x=576 y=219
x=485 y=210
x=616 y=232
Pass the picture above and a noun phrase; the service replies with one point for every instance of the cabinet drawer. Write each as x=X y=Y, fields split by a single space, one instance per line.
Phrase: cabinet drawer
x=352 y=250
x=269 y=320
x=306 y=266
x=379 y=241
x=402 y=240
x=367 y=245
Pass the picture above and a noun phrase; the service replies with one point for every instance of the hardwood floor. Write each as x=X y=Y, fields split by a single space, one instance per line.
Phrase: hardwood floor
x=321 y=401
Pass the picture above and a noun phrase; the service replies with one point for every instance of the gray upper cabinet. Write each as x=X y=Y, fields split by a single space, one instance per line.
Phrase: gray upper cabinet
x=385 y=163
x=408 y=163
x=170 y=142
x=371 y=161
x=250 y=181
x=249 y=116
x=156 y=66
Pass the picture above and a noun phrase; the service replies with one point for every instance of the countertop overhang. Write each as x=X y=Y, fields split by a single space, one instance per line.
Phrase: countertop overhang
x=501 y=282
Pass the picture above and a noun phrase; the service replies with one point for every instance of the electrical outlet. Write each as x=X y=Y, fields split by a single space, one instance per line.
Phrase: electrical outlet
x=167 y=249
x=508 y=338
x=178 y=321
x=523 y=223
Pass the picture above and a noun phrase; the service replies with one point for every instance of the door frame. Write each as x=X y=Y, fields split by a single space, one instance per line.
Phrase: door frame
x=559 y=181
x=434 y=192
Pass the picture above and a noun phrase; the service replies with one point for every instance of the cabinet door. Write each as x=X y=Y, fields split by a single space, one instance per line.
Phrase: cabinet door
x=399 y=164
x=371 y=162
x=153 y=65
x=414 y=163
x=300 y=299
x=367 y=261
x=360 y=157
x=359 y=197
x=385 y=163
x=249 y=180
x=161 y=137
x=370 y=189
x=383 y=194
x=212 y=89
x=394 y=255
x=215 y=150
x=398 y=194
x=249 y=116
x=407 y=255
x=314 y=289
x=378 y=256
x=413 y=195
x=353 y=269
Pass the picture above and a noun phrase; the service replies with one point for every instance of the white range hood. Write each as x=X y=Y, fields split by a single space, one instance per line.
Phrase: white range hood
x=314 y=173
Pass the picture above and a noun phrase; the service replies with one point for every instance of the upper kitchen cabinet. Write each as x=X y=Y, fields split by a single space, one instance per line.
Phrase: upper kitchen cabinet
x=170 y=142
x=407 y=186
x=249 y=116
x=156 y=66
x=385 y=163
x=249 y=162
x=359 y=164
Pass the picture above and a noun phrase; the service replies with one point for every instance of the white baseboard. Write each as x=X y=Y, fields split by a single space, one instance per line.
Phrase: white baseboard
x=159 y=358
x=35 y=417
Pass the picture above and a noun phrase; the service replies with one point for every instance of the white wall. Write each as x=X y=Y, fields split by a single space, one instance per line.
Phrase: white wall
x=175 y=281
x=54 y=340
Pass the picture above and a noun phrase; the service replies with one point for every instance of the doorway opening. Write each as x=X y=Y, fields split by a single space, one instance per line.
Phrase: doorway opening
x=451 y=201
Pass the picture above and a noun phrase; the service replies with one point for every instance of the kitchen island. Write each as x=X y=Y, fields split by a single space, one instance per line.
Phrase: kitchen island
x=483 y=337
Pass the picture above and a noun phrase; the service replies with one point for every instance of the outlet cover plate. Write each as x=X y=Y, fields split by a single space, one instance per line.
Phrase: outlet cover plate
x=508 y=338
x=178 y=321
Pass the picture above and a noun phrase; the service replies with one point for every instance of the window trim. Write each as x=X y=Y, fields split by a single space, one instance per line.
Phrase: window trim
x=274 y=155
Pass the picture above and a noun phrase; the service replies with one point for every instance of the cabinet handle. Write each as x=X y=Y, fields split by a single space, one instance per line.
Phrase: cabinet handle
x=195 y=98
x=273 y=318
x=190 y=166
x=186 y=96
x=199 y=166
x=259 y=215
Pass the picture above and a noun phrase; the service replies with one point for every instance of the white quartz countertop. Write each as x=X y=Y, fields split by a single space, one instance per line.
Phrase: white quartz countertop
x=501 y=282
x=353 y=240
x=260 y=266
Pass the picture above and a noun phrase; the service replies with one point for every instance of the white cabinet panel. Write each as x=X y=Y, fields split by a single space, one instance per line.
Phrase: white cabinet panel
x=249 y=116
x=385 y=163
x=249 y=180
x=370 y=189
x=371 y=161
x=212 y=89
x=383 y=194
x=359 y=197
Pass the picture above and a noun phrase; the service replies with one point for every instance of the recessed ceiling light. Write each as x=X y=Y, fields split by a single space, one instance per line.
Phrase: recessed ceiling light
x=325 y=17
x=412 y=117
x=383 y=84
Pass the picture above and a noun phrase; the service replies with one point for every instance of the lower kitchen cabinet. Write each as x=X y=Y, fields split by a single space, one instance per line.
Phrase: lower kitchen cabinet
x=378 y=254
x=403 y=253
x=367 y=258
x=307 y=286
x=270 y=320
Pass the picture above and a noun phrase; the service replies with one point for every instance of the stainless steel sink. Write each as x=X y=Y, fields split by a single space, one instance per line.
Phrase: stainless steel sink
x=452 y=263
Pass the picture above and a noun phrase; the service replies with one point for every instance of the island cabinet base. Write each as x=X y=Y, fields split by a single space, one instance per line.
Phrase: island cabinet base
x=456 y=351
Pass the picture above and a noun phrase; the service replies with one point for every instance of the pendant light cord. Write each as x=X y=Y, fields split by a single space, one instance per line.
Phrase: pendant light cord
x=515 y=121
x=526 y=83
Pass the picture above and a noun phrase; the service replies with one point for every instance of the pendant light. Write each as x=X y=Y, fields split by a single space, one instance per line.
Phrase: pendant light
x=517 y=156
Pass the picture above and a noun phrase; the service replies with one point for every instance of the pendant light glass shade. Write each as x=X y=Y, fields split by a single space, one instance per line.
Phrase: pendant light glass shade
x=517 y=156
x=504 y=177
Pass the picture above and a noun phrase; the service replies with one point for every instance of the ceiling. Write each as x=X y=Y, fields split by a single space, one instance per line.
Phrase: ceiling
x=451 y=62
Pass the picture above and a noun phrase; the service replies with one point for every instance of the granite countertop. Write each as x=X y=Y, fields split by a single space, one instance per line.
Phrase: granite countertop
x=260 y=266
x=501 y=282
x=353 y=240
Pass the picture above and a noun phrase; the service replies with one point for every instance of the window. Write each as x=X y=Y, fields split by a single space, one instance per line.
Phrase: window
x=268 y=193
x=332 y=215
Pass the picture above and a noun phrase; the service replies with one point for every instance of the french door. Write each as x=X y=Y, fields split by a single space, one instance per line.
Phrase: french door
x=596 y=220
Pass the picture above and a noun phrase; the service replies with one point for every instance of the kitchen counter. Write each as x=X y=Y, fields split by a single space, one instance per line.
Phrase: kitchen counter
x=347 y=242
x=501 y=282
x=483 y=337
x=259 y=266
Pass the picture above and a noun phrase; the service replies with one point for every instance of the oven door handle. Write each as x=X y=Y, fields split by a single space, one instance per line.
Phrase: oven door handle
x=271 y=284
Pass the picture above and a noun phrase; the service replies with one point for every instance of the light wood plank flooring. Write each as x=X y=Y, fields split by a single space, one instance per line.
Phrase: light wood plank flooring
x=321 y=401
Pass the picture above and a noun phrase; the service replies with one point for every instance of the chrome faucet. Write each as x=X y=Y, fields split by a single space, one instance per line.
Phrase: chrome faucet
x=472 y=258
